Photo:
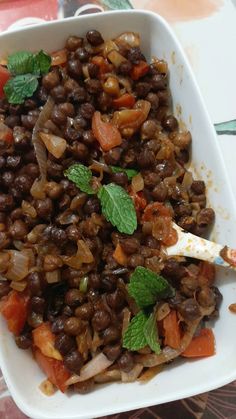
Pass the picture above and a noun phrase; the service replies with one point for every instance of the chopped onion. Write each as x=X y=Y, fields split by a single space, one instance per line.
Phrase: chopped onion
x=67 y=217
x=84 y=342
x=137 y=183
x=98 y=364
x=187 y=180
x=108 y=376
x=19 y=266
x=34 y=234
x=59 y=57
x=47 y=388
x=128 y=39
x=126 y=320
x=28 y=209
x=98 y=166
x=30 y=254
x=126 y=83
x=53 y=277
x=39 y=146
x=132 y=118
x=108 y=47
x=150 y=373
x=18 y=244
x=78 y=201
x=18 y=285
x=55 y=145
x=116 y=58
x=131 y=376
x=96 y=342
x=83 y=255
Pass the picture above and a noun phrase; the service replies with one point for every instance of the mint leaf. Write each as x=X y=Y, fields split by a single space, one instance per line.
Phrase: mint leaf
x=81 y=176
x=151 y=334
x=42 y=62
x=118 y=208
x=20 y=87
x=130 y=172
x=146 y=287
x=134 y=337
x=21 y=62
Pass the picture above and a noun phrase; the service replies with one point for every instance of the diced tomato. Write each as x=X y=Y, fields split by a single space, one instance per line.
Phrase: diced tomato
x=171 y=330
x=6 y=133
x=120 y=256
x=154 y=210
x=103 y=64
x=14 y=309
x=125 y=101
x=4 y=77
x=207 y=273
x=59 y=57
x=44 y=339
x=54 y=370
x=201 y=345
x=106 y=134
x=139 y=70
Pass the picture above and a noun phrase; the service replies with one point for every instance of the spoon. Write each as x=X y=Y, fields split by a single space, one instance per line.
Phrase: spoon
x=198 y=248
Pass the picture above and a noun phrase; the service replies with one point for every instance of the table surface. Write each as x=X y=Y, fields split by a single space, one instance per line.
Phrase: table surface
x=191 y=21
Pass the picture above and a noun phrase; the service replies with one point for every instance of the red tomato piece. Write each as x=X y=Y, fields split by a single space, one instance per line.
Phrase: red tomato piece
x=4 y=77
x=106 y=134
x=6 y=133
x=54 y=370
x=15 y=309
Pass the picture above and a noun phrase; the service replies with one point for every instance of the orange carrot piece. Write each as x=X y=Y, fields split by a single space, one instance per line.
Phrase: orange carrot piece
x=171 y=330
x=120 y=256
x=125 y=101
x=201 y=345
x=139 y=70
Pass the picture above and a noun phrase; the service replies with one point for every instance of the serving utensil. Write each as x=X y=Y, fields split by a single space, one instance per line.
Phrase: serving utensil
x=198 y=248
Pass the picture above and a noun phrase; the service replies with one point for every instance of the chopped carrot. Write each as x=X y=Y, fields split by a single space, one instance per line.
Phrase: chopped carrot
x=59 y=57
x=154 y=210
x=201 y=345
x=171 y=330
x=44 y=339
x=139 y=70
x=120 y=256
x=106 y=134
x=125 y=101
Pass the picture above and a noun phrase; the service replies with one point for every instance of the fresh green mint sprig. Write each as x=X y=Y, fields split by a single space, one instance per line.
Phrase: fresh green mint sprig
x=25 y=68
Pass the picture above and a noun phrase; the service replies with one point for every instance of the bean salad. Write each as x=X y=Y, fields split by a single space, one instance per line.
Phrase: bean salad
x=92 y=174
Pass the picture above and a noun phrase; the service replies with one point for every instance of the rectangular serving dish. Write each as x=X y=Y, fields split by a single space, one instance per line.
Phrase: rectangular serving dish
x=183 y=378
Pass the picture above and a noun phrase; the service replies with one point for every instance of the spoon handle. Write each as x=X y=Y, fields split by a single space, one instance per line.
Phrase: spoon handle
x=195 y=247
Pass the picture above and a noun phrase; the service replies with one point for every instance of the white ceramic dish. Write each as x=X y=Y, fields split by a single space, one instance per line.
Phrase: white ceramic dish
x=182 y=378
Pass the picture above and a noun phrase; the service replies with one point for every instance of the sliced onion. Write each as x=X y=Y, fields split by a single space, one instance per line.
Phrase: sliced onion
x=128 y=39
x=84 y=342
x=55 y=145
x=126 y=320
x=28 y=209
x=150 y=373
x=39 y=146
x=83 y=255
x=131 y=376
x=38 y=188
x=19 y=266
x=53 y=128
x=96 y=342
x=97 y=166
x=18 y=285
x=137 y=183
x=187 y=180
x=116 y=58
x=30 y=254
x=108 y=376
x=126 y=83
x=53 y=277
x=98 y=364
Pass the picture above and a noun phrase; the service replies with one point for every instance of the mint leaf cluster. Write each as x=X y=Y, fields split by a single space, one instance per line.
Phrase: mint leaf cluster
x=117 y=206
x=146 y=288
x=25 y=68
x=129 y=172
